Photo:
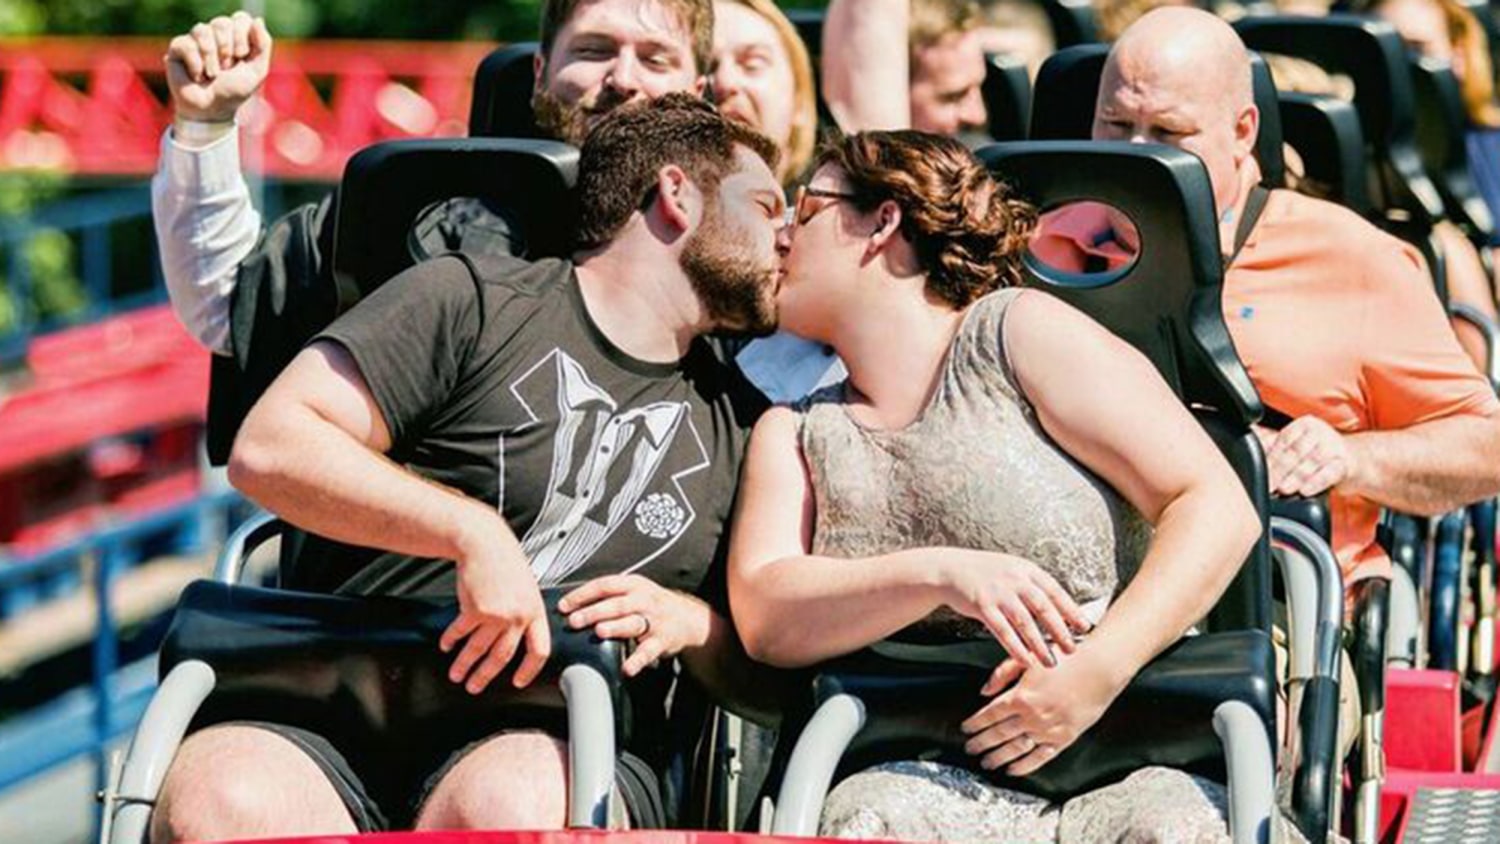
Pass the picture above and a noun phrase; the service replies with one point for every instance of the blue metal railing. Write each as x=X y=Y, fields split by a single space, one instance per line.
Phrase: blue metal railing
x=85 y=721
x=91 y=219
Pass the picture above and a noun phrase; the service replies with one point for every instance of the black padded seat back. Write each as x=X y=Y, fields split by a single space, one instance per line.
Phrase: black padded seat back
x=387 y=186
x=1326 y=133
x=363 y=669
x=1268 y=151
x=1007 y=97
x=1441 y=124
x=1167 y=304
x=1067 y=89
x=1371 y=54
x=809 y=25
x=1073 y=22
x=918 y=695
x=501 y=104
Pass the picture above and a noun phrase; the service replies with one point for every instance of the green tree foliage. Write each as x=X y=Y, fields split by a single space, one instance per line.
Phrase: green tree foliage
x=46 y=256
x=499 y=20
x=507 y=20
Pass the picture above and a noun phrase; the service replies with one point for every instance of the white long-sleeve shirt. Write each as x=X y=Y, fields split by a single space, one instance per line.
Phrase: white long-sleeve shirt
x=205 y=226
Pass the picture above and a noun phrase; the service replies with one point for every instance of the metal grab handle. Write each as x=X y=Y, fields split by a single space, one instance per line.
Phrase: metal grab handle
x=1252 y=772
x=253 y=533
x=591 y=747
x=1489 y=331
x=152 y=749
x=1330 y=608
x=809 y=772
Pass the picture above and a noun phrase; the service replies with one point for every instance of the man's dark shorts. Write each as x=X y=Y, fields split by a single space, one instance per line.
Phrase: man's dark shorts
x=387 y=793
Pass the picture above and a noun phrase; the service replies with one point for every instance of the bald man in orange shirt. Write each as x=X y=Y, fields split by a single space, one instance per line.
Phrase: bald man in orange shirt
x=1336 y=321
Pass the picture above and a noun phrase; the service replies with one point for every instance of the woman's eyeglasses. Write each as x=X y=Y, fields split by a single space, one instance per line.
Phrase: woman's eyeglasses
x=802 y=214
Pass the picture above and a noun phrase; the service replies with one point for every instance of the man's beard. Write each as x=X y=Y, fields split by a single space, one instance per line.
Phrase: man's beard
x=738 y=293
x=570 y=122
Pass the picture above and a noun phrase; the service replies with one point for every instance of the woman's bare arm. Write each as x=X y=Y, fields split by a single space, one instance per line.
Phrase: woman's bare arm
x=793 y=608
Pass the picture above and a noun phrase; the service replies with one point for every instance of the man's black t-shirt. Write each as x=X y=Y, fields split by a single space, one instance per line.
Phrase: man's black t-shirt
x=494 y=380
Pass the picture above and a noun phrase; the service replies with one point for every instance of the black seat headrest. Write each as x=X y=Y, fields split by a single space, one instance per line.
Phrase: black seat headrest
x=809 y=26
x=1325 y=132
x=501 y=104
x=1007 y=97
x=1073 y=21
x=1371 y=54
x=1167 y=303
x=387 y=186
x=367 y=667
x=1441 y=125
x=1067 y=89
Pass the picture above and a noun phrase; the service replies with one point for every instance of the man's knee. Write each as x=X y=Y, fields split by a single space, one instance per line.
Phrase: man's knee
x=239 y=782
x=513 y=781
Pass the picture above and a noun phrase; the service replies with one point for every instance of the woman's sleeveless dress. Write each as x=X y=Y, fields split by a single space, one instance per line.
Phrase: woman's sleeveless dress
x=976 y=470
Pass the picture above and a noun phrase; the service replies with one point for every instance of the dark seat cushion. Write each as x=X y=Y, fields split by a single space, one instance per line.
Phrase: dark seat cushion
x=363 y=668
x=916 y=696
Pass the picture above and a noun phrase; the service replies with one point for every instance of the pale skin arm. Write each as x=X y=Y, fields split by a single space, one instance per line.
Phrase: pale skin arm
x=865 y=64
x=1102 y=402
x=793 y=608
x=312 y=450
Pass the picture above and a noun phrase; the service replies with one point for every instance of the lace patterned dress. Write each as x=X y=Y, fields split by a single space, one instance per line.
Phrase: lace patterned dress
x=976 y=470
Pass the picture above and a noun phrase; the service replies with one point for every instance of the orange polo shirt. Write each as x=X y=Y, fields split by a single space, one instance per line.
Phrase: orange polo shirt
x=1332 y=318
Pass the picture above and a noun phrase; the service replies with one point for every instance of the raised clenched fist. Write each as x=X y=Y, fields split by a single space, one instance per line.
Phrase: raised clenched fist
x=217 y=66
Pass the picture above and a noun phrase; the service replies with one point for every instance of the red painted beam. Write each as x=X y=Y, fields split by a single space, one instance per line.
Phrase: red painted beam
x=98 y=106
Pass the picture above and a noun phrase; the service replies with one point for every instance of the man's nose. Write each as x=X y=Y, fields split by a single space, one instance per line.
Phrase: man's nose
x=784 y=236
x=973 y=114
x=625 y=76
x=727 y=80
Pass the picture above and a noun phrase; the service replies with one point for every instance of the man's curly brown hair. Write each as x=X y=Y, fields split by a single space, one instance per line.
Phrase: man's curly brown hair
x=969 y=231
x=623 y=157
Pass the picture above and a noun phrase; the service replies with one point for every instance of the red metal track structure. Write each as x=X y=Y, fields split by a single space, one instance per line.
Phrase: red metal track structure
x=104 y=422
x=98 y=107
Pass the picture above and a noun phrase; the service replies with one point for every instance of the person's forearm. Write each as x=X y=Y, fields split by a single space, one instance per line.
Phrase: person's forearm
x=205 y=226
x=1427 y=469
x=865 y=61
x=299 y=466
x=1200 y=543
x=722 y=667
x=801 y=610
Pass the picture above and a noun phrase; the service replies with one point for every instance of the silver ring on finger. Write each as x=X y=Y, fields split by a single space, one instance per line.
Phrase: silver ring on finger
x=645 y=626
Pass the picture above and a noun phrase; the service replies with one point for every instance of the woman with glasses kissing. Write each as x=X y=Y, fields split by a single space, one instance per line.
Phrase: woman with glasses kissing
x=994 y=465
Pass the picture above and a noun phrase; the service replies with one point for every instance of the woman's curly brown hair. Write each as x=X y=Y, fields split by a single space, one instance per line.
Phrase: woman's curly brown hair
x=969 y=231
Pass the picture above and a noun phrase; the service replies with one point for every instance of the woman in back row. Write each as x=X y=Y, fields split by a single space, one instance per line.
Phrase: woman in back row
x=993 y=466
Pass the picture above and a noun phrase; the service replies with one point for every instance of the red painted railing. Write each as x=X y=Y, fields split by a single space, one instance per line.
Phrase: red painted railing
x=99 y=106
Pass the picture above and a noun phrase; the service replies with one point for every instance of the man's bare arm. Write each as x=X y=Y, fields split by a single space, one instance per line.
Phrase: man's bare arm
x=1428 y=468
x=1425 y=469
x=312 y=451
